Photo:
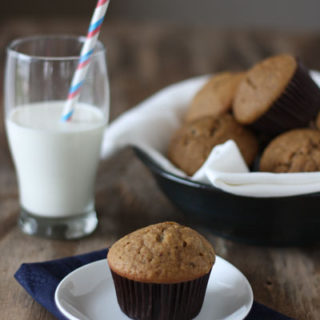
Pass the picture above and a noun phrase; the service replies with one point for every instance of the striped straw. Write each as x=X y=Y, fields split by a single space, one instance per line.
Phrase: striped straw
x=85 y=56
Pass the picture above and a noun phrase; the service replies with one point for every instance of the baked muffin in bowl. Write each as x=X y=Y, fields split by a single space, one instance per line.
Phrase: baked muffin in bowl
x=272 y=208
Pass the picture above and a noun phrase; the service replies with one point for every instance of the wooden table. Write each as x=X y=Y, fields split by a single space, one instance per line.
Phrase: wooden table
x=142 y=59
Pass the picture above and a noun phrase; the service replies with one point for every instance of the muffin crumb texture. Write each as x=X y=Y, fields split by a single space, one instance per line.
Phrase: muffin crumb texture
x=215 y=97
x=162 y=253
x=293 y=151
x=191 y=144
x=262 y=85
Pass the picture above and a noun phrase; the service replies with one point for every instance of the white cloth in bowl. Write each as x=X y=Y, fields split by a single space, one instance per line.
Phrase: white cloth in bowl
x=150 y=126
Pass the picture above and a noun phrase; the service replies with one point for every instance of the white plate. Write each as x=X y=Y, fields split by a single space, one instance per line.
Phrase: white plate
x=88 y=293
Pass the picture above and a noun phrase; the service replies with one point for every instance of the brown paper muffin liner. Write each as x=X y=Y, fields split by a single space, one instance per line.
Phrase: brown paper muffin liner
x=153 y=301
x=295 y=108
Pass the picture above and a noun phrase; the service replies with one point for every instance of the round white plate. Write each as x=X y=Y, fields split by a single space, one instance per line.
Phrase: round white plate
x=88 y=293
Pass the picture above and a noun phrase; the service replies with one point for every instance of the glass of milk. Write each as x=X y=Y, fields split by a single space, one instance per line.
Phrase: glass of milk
x=55 y=162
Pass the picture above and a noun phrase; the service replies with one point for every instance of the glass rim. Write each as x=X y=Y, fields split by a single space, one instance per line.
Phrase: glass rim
x=12 y=47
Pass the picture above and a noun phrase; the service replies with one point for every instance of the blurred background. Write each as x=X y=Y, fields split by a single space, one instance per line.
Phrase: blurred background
x=153 y=43
x=275 y=14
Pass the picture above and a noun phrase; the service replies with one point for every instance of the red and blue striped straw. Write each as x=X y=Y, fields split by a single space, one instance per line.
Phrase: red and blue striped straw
x=85 y=56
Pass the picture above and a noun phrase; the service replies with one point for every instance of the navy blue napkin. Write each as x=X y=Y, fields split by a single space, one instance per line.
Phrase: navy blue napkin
x=41 y=279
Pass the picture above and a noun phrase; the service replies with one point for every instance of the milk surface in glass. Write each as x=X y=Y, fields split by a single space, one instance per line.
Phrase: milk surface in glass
x=56 y=162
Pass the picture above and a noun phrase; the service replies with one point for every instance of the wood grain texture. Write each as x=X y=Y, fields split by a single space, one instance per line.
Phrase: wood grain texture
x=143 y=58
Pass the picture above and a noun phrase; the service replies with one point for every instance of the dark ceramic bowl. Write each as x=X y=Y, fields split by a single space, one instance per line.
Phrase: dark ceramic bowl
x=264 y=221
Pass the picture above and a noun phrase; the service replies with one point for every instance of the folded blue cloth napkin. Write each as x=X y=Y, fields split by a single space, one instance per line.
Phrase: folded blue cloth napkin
x=41 y=279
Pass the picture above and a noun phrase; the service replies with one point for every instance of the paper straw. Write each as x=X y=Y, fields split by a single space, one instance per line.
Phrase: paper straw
x=85 y=56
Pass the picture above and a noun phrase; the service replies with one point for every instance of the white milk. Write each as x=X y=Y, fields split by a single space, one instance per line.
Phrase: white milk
x=55 y=162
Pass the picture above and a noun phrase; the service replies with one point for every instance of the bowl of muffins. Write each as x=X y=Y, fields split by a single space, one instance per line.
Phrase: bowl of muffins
x=271 y=112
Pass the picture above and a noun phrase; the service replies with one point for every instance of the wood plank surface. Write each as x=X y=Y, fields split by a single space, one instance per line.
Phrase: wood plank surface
x=143 y=58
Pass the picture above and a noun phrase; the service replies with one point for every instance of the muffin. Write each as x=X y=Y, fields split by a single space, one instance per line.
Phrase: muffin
x=293 y=151
x=161 y=272
x=215 y=97
x=276 y=95
x=193 y=142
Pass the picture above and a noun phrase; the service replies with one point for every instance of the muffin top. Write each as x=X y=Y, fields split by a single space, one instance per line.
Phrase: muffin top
x=261 y=86
x=293 y=151
x=193 y=142
x=162 y=253
x=215 y=97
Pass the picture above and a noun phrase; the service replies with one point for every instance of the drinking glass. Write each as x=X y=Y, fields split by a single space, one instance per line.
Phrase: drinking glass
x=55 y=161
